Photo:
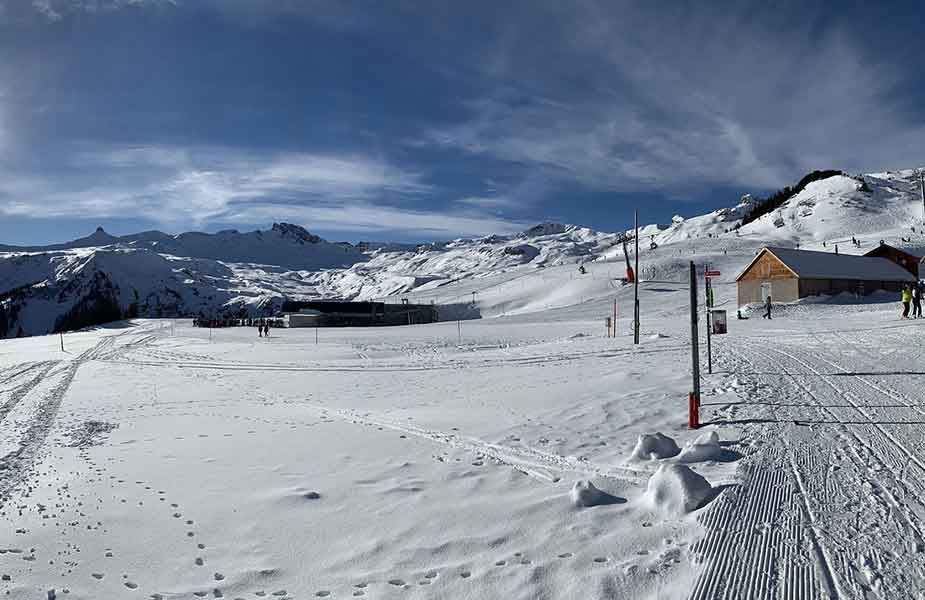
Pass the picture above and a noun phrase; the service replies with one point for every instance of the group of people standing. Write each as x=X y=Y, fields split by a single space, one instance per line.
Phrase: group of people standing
x=912 y=294
x=263 y=328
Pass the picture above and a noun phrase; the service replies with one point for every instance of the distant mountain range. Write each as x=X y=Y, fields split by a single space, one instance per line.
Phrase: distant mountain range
x=101 y=277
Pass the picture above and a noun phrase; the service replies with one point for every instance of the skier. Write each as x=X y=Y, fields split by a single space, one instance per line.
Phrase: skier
x=582 y=270
x=266 y=329
x=906 y=298
x=767 y=308
x=260 y=328
x=916 y=300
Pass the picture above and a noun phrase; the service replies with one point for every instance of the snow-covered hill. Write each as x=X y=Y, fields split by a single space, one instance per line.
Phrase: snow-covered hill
x=101 y=276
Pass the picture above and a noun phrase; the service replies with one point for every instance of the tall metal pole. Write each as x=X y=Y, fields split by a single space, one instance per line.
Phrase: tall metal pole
x=922 y=186
x=636 y=281
x=693 y=411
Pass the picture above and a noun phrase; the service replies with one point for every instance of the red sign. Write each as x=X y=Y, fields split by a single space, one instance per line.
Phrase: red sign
x=712 y=274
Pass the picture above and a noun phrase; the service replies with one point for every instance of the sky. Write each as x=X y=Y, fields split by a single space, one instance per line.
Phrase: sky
x=416 y=121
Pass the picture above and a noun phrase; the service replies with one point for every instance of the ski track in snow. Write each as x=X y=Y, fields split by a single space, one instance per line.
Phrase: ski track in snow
x=832 y=496
x=543 y=466
x=43 y=391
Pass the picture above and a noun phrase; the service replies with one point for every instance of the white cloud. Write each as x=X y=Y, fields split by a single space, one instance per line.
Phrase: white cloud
x=45 y=8
x=372 y=218
x=182 y=187
x=490 y=202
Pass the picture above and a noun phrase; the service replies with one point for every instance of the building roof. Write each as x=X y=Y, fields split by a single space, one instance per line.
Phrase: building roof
x=883 y=246
x=808 y=264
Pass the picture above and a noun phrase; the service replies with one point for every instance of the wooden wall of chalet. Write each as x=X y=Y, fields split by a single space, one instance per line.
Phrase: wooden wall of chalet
x=767 y=268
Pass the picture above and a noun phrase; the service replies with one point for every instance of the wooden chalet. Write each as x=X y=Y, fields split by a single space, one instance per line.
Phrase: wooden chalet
x=786 y=275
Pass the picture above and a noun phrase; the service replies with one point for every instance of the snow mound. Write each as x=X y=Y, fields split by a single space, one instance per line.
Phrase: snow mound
x=584 y=494
x=653 y=446
x=676 y=490
x=705 y=447
x=657 y=336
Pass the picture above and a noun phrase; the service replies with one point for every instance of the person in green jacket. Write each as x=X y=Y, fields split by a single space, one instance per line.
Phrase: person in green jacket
x=906 y=299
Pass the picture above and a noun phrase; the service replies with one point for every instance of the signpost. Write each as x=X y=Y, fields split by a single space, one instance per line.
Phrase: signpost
x=708 y=291
x=718 y=321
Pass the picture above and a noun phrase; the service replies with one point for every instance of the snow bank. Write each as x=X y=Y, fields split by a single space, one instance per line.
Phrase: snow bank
x=676 y=490
x=705 y=447
x=584 y=494
x=653 y=446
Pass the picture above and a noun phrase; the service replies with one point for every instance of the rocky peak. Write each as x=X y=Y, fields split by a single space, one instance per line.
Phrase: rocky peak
x=288 y=230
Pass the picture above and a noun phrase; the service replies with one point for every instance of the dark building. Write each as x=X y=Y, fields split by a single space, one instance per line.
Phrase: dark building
x=339 y=313
x=909 y=262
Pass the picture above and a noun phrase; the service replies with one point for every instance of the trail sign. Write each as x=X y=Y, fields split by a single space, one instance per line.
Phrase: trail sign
x=712 y=274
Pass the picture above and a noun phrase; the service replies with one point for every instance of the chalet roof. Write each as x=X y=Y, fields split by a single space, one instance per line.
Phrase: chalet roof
x=810 y=264
x=915 y=253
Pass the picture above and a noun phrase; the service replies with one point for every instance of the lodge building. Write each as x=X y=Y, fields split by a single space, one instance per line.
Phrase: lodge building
x=787 y=274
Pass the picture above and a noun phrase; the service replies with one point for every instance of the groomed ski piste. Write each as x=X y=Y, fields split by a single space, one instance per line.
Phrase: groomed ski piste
x=521 y=455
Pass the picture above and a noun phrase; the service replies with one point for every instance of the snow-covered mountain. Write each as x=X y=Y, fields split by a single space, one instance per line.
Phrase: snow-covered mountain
x=103 y=277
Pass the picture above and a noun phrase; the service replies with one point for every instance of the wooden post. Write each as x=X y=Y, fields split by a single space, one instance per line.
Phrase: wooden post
x=62 y=341
x=459 y=330
x=615 y=317
x=316 y=334
x=693 y=411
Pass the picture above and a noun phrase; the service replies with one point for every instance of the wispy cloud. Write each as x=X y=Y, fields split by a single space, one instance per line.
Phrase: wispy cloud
x=196 y=186
x=657 y=99
x=490 y=202
x=328 y=12
x=45 y=8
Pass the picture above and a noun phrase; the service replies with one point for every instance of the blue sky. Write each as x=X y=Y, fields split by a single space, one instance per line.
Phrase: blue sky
x=431 y=120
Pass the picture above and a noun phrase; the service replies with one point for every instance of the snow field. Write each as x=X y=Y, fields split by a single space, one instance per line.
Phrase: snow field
x=438 y=472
